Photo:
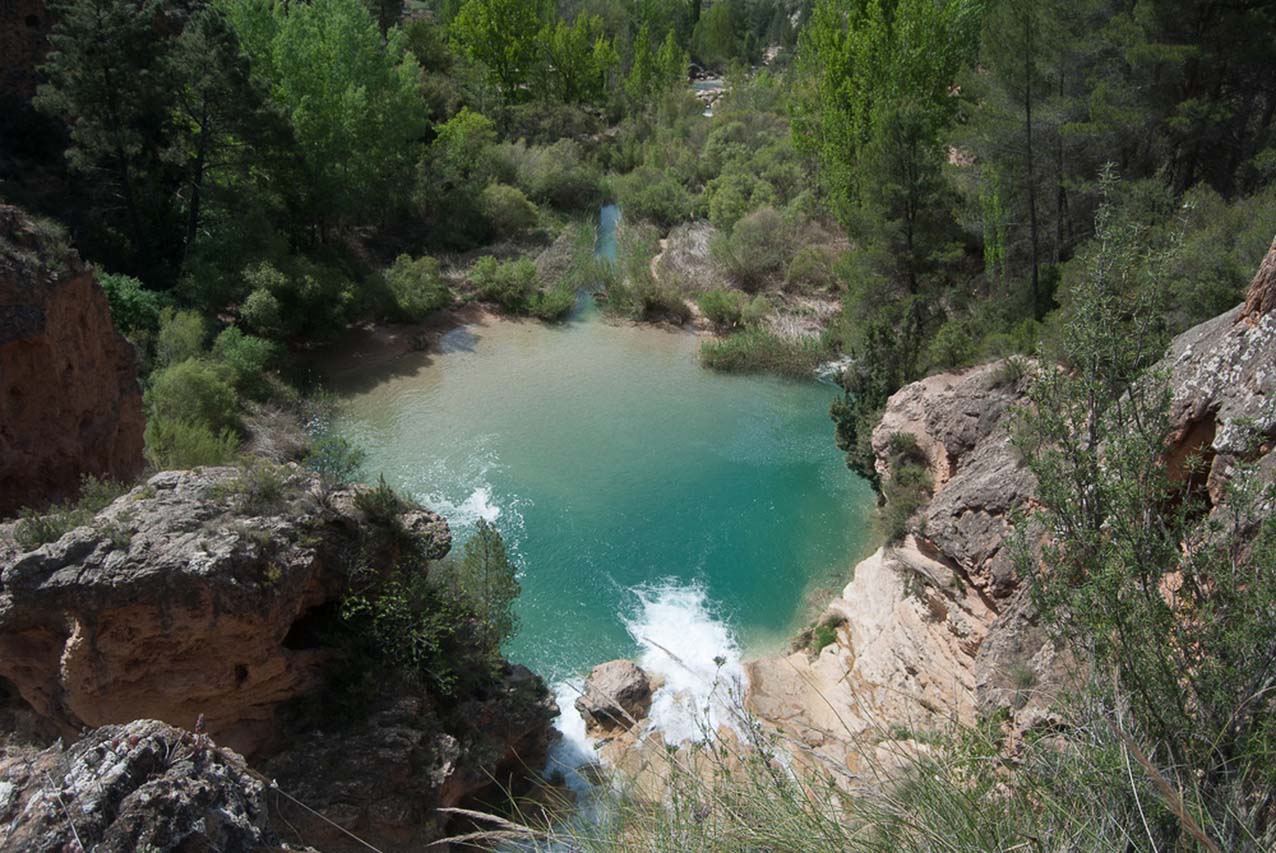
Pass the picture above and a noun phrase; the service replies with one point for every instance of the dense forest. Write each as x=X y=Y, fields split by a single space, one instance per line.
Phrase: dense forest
x=908 y=186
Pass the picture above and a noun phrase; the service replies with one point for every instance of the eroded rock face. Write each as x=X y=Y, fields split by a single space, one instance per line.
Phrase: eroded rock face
x=617 y=695
x=941 y=627
x=144 y=785
x=70 y=403
x=915 y=615
x=180 y=601
x=208 y=595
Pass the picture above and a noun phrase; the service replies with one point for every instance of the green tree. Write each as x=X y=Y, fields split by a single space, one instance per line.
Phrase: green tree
x=1172 y=602
x=577 y=60
x=104 y=78
x=353 y=99
x=501 y=34
x=861 y=60
x=487 y=579
x=220 y=128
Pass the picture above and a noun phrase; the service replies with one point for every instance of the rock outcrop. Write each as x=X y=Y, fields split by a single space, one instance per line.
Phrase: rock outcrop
x=913 y=618
x=182 y=600
x=211 y=595
x=617 y=695
x=70 y=403
x=940 y=627
x=140 y=786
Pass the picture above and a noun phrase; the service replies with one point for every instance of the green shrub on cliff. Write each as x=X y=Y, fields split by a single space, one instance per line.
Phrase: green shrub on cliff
x=196 y=391
x=172 y=443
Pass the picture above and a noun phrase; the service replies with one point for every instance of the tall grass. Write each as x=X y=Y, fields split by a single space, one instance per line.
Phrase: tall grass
x=757 y=350
x=1080 y=783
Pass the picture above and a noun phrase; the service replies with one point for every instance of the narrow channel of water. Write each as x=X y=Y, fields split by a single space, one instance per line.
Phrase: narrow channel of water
x=658 y=509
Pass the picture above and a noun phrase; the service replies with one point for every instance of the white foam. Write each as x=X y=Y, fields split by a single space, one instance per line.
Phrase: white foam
x=574 y=750
x=682 y=641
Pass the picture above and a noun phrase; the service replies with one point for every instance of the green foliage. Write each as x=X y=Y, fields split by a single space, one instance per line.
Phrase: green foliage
x=404 y=625
x=723 y=308
x=654 y=69
x=39 y=528
x=248 y=357
x=508 y=210
x=576 y=60
x=487 y=580
x=502 y=35
x=511 y=284
x=194 y=391
x=181 y=336
x=133 y=307
x=552 y=174
x=646 y=193
x=335 y=460
x=865 y=61
x=262 y=312
x=907 y=487
x=756 y=251
x=102 y=78
x=812 y=270
x=179 y=444
x=1172 y=602
x=260 y=488
x=301 y=295
x=416 y=287
x=351 y=97
x=381 y=505
x=460 y=164
x=758 y=350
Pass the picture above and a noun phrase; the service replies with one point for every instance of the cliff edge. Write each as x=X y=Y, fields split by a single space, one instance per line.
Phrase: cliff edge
x=70 y=403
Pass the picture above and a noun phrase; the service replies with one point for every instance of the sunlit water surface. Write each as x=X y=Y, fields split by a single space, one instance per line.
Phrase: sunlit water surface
x=657 y=509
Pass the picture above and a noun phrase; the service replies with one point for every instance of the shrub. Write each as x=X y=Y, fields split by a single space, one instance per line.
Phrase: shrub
x=260 y=488
x=757 y=350
x=507 y=209
x=510 y=284
x=248 y=358
x=755 y=310
x=755 y=251
x=181 y=336
x=262 y=313
x=723 y=308
x=554 y=174
x=133 y=307
x=812 y=270
x=655 y=301
x=380 y=504
x=416 y=287
x=39 y=528
x=194 y=391
x=648 y=193
x=907 y=487
x=173 y=443
x=554 y=303
x=733 y=195
x=335 y=460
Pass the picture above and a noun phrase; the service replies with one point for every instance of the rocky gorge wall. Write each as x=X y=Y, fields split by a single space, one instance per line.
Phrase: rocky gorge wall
x=203 y=600
x=939 y=628
x=70 y=402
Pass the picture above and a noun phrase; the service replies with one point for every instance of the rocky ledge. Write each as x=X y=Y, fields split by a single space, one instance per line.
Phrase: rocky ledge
x=938 y=628
x=207 y=596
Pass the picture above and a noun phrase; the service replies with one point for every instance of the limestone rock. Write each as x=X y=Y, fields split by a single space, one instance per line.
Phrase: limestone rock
x=617 y=694
x=180 y=601
x=70 y=403
x=1261 y=298
x=140 y=786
